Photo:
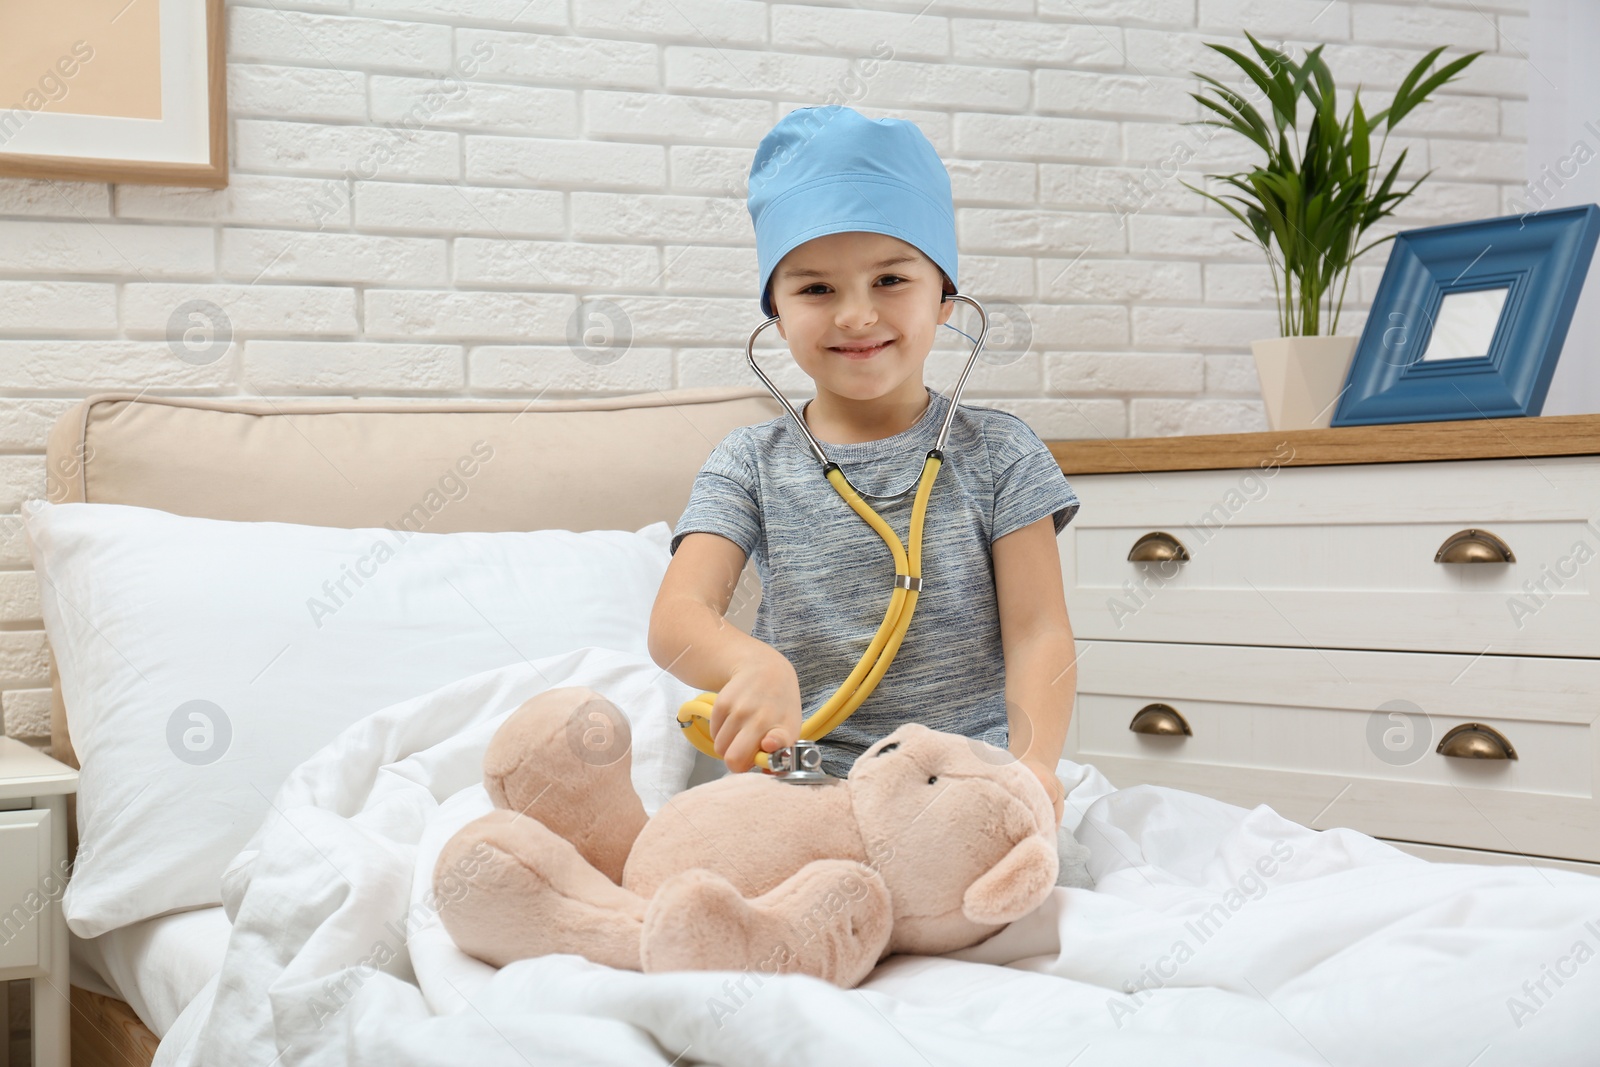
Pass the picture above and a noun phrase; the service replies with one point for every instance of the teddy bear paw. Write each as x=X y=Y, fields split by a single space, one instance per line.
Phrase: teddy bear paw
x=831 y=919
x=697 y=921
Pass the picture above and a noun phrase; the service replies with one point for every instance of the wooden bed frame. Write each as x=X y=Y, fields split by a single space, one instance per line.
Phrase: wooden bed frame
x=358 y=463
x=106 y=1033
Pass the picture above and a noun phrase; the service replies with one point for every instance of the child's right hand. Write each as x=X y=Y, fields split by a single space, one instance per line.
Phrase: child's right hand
x=757 y=710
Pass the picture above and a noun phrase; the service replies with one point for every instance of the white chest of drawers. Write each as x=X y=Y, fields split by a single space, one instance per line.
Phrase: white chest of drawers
x=1391 y=628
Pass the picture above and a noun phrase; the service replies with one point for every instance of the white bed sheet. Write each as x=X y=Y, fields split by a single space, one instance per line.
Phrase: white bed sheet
x=1213 y=935
x=157 y=966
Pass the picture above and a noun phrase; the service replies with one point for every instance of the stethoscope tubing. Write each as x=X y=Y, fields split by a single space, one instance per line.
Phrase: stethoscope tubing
x=695 y=715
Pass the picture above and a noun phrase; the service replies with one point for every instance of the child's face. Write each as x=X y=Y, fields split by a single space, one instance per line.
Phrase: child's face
x=840 y=290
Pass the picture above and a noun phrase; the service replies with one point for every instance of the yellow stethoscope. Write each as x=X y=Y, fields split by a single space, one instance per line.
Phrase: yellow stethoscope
x=802 y=763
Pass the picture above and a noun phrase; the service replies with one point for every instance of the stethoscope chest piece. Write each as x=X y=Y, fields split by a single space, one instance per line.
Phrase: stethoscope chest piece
x=799 y=764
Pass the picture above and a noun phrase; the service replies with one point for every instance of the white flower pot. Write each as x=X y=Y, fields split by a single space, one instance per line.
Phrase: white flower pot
x=1301 y=378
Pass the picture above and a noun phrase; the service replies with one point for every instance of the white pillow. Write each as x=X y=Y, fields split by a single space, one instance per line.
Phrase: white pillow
x=201 y=660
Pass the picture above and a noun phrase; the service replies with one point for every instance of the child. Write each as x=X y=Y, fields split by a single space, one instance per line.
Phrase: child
x=855 y=238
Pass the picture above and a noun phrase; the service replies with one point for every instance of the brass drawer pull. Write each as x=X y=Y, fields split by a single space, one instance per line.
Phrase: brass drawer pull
x=1161 y=720
x=1474 y=740
x=1474 y=546
x=1157 y=547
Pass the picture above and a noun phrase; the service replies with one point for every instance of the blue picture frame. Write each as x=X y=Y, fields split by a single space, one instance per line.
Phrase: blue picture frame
x=1539 y=260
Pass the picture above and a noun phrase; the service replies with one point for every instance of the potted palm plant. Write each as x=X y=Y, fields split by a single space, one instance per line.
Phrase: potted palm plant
x=1308 y=206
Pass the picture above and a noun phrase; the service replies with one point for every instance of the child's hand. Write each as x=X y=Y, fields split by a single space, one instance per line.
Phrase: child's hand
x=1052 y=786
x=757 y=710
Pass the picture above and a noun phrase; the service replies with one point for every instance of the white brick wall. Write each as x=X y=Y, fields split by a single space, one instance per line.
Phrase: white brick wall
x=422 y=190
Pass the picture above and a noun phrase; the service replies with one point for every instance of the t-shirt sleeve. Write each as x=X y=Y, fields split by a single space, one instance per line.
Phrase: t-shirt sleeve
x=1028 y=481
x=725 y=498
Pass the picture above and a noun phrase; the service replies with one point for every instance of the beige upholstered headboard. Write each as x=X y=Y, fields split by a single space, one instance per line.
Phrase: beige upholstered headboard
x=615 y=463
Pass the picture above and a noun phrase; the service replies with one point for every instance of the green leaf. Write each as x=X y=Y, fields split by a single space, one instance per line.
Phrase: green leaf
x=1373 y=245
x=1315 y=206
x=1277 y=63
x=1360 y=139
x=1303 y=81
x=1438 y=78
x=1277 y=93
x=1404 y=92
x=1394 y=172
x=1260 y=136
x=1261 y=237
x=1286 y=75
x=1229 y=208
x=1279 y=198
x=1317 y=69
x=1244 y=108
x=1327 y=128
x=1270 y=56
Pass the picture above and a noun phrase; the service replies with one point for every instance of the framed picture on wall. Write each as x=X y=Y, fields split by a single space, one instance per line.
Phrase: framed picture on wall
x=1469 y=319
x=114 y=91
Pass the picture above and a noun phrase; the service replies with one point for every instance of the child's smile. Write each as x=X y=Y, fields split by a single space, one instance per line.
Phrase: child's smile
x=861 y=350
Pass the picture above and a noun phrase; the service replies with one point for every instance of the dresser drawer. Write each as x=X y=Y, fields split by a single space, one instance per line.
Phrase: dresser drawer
x=25 y=901
x=1344 y=556
x=1348 y=738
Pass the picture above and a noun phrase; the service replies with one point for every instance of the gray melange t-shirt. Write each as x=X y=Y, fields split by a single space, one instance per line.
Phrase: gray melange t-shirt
x=826 y=576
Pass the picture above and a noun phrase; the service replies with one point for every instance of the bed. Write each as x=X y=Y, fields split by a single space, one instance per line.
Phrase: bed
x=280 y=460
x=1213 y=934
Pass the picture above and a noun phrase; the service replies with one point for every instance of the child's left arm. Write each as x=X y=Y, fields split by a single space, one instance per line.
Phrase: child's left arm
x=1041 y=656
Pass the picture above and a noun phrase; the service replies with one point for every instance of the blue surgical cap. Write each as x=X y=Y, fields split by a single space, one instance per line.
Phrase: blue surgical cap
x=831 y=169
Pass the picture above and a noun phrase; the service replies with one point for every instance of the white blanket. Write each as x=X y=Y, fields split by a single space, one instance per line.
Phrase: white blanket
x=1213 y=935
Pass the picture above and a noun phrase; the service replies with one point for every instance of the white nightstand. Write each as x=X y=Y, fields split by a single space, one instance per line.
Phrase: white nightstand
x=33 y=876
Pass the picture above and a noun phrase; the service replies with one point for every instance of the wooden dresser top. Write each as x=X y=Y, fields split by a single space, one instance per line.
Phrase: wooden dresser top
x=1402 y=442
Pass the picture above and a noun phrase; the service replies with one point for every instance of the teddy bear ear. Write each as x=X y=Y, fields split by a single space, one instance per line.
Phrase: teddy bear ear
x=1014 y=886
